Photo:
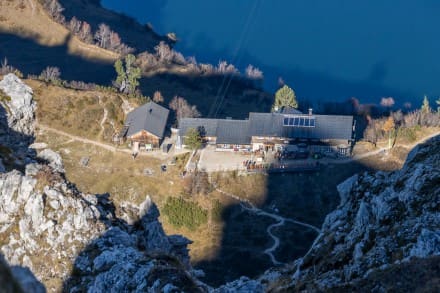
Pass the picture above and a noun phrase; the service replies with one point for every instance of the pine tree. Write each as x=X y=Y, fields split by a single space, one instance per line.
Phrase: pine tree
x=193 y=139
x=426 y=109
x=128 y=76
x=438 y=105
x=284 y=97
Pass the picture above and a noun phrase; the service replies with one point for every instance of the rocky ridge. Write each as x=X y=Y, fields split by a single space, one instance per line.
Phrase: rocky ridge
x=385 y=220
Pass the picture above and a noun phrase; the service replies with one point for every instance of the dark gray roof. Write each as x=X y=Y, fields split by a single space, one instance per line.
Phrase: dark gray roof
x=233 y=132
x=265 y=124
x=290 y=110
x=209 y=126
x=270 y=125
x=326 y=126
x=150 y=117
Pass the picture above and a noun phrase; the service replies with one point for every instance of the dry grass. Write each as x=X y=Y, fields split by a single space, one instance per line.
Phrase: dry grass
x=29 y=20
x=122 y=177
x=79 y=112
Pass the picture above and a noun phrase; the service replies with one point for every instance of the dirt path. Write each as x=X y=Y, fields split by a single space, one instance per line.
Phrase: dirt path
x=104 y=118
x=379 y=151
x=94 y=142
x=247 y=205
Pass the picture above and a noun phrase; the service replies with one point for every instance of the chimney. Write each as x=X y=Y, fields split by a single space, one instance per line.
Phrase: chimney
x=310 y=111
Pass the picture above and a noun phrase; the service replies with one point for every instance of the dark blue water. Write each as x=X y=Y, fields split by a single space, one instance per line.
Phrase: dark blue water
x=325 y=50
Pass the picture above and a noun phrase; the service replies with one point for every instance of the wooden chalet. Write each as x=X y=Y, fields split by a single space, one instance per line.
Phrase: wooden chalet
x=145 y=126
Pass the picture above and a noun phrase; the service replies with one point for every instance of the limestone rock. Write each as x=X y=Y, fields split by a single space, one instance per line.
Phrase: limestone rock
x=21 y=116
x=53 y=158
x=383 y=219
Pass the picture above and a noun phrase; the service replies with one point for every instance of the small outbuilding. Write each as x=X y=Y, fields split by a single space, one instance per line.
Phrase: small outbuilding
x=145 y=125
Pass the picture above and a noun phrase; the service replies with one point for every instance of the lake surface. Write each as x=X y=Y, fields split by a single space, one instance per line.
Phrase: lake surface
x=325 y=50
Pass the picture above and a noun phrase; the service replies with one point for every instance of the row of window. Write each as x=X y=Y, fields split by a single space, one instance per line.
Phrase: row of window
x=300 y=121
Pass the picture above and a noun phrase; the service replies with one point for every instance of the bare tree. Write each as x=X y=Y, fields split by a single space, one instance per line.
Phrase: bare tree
x=207 y=68
x=183 y=109
x=253 y=72
x=164 y=52
x=114 y=41
x=6 y=68
x=55 y=9
x=179 y=58
x=387 y=102
x=157 y=97
x=85 y=33
x=51 y=74
x=224 y=68
x=74 y=25
x=102 y=35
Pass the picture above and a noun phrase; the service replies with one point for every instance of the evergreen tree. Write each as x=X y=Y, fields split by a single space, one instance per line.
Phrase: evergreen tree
x=426 y=109
x=128 y=76
x=284 y=97
x=438 y=105
x=193 y=139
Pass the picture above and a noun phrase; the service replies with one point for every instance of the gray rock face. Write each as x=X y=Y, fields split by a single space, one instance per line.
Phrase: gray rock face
x=45 y=222
x=21 y=106
x=139 y=260
x=384 y=219
x=53 y=158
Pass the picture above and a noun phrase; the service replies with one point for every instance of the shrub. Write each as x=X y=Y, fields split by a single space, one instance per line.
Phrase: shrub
x=50 y=74
x=408 y=133
x=182 y=213
x=6 y=68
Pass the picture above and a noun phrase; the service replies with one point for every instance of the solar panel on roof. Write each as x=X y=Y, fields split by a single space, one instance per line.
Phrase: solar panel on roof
x=299 y=121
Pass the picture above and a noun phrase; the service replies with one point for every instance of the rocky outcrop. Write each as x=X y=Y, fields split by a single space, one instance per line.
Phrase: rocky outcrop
x=21 y=106
x=384 y=220
x=139 y=258
x=17 y=123
x=50 y=228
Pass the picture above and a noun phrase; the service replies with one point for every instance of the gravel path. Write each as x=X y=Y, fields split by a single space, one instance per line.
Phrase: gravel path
x=247 y=205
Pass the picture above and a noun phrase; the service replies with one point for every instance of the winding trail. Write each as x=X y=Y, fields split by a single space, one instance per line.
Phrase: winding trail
x=247 y=205
x=104 y=118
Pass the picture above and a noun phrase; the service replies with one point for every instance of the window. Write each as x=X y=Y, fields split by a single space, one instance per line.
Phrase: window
x=290 y=121
x=286 y=121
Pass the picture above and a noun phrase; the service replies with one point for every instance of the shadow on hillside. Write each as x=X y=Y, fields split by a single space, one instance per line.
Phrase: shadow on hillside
x=131 y=32
x=210 y=93
x=31 y=58
x=307 y=197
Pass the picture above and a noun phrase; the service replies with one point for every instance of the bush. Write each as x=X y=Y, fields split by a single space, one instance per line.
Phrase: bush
x=182 y=213
x=408 y=133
